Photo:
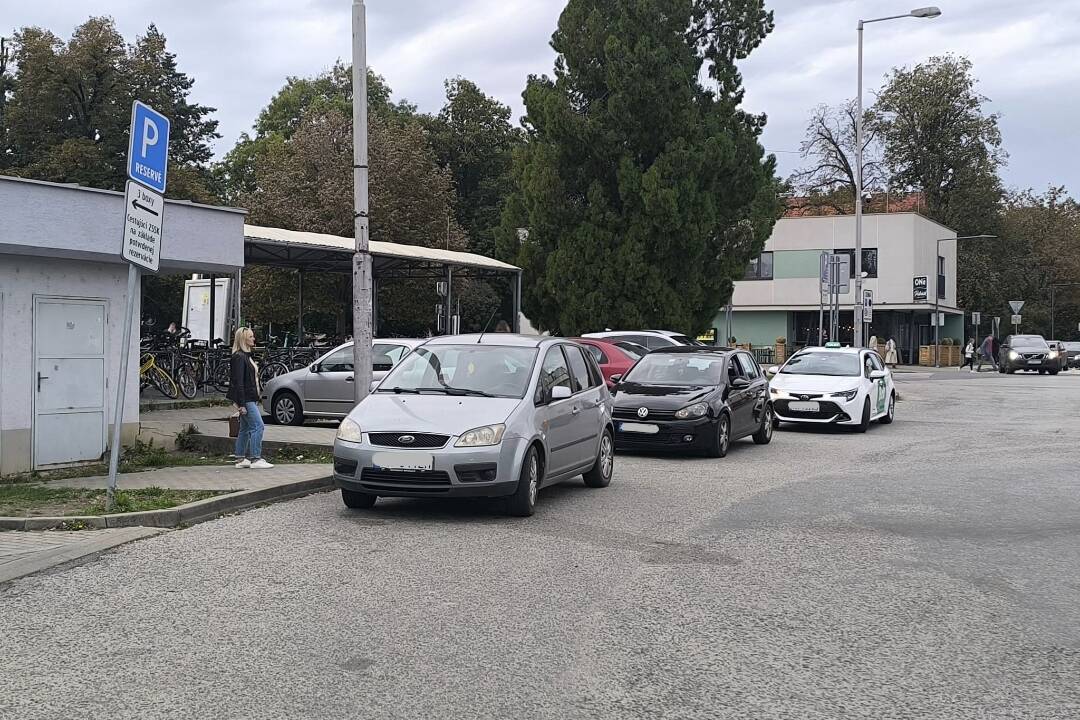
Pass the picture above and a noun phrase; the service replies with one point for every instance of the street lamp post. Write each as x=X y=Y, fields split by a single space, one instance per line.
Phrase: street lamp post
x=937 y=289
x=925 y=12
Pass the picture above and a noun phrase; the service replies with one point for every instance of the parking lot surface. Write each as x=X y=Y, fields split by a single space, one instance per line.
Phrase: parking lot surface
x=923 y=570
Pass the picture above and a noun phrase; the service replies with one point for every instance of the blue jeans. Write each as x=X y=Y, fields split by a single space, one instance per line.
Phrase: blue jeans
x=249 y=439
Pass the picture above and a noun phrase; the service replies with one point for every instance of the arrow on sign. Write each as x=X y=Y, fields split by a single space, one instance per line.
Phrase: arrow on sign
x=139 y=206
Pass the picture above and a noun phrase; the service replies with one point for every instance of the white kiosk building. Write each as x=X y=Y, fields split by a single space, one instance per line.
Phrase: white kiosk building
x=62 y=285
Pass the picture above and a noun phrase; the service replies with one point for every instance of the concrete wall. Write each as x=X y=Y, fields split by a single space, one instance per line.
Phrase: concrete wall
x=82 y=223
x=21 y=278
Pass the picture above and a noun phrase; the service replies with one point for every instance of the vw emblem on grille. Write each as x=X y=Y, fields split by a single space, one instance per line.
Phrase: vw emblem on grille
x=406 y=439
x=643 y=412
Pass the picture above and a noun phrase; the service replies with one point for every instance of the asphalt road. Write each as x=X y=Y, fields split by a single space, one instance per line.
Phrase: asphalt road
x=923 y=570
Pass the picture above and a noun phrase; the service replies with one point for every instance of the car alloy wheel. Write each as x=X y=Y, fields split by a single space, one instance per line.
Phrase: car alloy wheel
x=607 y=456
x=768 y=427
x=534 y=479
x=724 y=434
x=284 y=410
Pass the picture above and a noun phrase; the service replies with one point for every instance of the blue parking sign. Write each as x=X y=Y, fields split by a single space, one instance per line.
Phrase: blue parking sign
x=148 y=153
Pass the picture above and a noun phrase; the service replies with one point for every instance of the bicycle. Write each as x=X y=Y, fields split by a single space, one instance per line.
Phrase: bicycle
x=150 y=373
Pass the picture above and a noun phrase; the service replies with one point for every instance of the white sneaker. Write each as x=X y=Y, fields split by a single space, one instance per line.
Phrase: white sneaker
x=245 y=463
x=261 y=464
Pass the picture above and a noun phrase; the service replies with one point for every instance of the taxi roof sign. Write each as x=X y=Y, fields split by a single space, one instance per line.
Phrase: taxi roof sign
x=832 y=344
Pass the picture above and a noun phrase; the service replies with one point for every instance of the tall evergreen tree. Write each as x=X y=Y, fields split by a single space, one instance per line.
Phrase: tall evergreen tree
x=642 y=193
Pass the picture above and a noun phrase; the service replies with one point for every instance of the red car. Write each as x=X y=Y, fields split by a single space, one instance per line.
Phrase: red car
x=613 y=359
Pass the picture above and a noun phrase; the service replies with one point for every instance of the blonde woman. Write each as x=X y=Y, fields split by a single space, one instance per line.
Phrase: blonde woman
x=244 y=393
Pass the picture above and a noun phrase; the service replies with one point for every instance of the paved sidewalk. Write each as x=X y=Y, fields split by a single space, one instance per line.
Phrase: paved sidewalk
x=23 y=553
x=162 y=426
x=206 y=477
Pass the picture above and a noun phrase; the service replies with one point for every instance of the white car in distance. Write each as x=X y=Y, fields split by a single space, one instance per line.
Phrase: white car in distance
x=833 y=385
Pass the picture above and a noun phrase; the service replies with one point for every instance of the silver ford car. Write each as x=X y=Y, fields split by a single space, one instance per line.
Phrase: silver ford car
x=493 y=415
x=324 y=389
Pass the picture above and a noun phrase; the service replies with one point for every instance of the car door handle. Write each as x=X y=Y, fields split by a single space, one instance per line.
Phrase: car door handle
x=575 y=410
x=40 y=377
x=349 y=379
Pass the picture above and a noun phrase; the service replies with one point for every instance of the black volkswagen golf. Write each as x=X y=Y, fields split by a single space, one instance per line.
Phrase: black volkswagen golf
x=692 y=399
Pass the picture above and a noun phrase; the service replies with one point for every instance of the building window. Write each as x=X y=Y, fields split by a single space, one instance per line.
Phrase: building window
x=869 y=261
x=760 y=268
x=941 y=277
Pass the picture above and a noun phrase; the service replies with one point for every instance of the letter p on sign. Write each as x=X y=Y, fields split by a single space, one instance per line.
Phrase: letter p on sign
x=148 y=150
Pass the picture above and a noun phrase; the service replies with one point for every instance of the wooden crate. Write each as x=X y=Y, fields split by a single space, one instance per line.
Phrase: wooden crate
x=949 y=354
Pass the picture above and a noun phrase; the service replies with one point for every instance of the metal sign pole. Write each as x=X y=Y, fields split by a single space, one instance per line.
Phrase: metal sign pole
x=121 y=388
x=362 y=270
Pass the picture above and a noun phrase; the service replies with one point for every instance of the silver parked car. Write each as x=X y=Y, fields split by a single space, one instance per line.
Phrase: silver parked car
x=495 y=415
x=652 y=339
x=324 y=389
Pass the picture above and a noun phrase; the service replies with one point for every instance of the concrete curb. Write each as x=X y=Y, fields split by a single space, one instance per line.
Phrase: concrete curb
x=189 y=514
x=216 y=444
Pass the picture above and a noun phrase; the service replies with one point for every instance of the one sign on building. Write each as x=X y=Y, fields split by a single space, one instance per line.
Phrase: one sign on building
x=918 y=289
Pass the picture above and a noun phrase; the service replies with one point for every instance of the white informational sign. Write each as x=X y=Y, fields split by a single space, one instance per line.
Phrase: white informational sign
x=197 y=308
x=1017 y=319
x=868 y=306
x=840 y=263
x=976 y=318
x=143 y=212
x=1017 y=306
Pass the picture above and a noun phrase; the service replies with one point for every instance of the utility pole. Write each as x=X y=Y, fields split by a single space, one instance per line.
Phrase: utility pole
x=362 y=272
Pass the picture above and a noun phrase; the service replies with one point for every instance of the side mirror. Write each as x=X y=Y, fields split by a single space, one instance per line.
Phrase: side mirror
x=316 y=368
x=560 y=392
x=773 y=369
x=740 y=382
x=616 y=378
x=878 y=375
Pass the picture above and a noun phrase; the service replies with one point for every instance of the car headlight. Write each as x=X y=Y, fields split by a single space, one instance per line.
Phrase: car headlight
x=848 y=395
x=1013 y=355
x=1053 y=355
x=349 y=431
x=692 y=411
x=481 y=436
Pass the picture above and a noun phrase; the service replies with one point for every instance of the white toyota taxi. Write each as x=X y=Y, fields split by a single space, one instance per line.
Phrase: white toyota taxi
x=833 y=384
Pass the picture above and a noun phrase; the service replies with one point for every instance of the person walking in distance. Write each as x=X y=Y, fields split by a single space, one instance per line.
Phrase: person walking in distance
x=244 y=393
x=892 y=357
x=969 y=356
x=986 y=353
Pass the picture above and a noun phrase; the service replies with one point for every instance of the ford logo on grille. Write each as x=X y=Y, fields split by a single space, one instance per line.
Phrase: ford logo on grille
x=406 y=439
x=643 y=412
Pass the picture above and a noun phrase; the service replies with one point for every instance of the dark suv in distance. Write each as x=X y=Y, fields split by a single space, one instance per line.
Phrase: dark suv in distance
x=1072 y=355
x=1029 y=352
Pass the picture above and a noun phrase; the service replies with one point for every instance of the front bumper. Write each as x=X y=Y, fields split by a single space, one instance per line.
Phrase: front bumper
x=456 y=472
x=832 y=410
x=674 y=435
x=1023 y=364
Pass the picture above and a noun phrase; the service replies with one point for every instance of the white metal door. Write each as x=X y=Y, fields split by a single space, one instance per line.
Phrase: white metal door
x=69 y=380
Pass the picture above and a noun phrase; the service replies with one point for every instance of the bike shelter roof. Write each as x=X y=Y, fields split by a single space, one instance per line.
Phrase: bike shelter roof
x=275 y=247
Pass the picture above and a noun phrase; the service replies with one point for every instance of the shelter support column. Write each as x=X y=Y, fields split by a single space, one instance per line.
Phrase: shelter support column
x=299 y=306
x=515 y=322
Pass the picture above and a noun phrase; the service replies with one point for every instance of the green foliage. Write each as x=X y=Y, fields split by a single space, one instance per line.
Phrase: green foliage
x=472 y=137
x=142 y=454
x=641 y=193
x=939 y=141
x=67 y=115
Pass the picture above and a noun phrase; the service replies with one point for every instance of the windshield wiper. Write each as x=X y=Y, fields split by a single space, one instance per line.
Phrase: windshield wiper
x=449 y=390
x=399 y=390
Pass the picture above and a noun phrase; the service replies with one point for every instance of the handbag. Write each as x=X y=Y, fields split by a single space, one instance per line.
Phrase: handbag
x=234 y=425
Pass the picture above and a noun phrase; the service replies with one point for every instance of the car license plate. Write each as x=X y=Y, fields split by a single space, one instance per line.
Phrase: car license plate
x=1034 y=362
x=797 y=406
x=639 y=428
x=414 y=461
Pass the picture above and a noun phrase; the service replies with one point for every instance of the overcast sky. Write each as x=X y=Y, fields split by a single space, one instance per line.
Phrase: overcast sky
x=1026 y=55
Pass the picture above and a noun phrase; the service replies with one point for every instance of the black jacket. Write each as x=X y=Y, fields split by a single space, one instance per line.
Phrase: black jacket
x=243 y=386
